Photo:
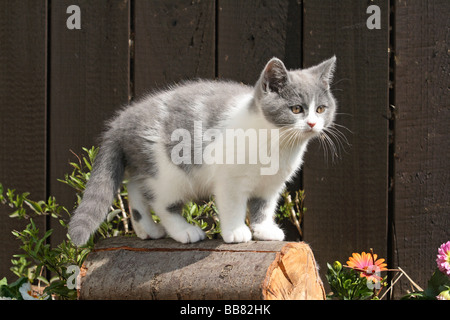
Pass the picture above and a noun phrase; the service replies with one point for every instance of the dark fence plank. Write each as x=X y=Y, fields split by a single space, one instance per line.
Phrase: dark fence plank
x=23 y=103
x=252 y=32
x=347 y=200
x=422 y=145
x=174 y=41
x=89 y=80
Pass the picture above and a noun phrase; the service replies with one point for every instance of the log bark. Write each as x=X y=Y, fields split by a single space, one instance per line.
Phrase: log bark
x=130 y=268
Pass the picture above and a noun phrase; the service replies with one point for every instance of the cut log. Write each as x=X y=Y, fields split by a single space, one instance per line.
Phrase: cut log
x=130 y=268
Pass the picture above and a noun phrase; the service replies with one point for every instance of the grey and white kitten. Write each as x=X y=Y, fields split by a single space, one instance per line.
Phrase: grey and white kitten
x=160 y=144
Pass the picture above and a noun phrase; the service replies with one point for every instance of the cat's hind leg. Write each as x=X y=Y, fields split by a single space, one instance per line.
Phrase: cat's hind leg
x=176 y=226
x=143 y=224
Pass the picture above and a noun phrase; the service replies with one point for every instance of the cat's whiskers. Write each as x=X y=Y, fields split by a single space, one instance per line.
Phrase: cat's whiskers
x=324 y=145
x=285 y=135
x=331 y=146
x=341 y=126
x=334 y=141
x=340 y=138
x=289 y=139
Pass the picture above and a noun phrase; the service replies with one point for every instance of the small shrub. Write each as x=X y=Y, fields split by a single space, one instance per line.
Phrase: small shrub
x=39 y=257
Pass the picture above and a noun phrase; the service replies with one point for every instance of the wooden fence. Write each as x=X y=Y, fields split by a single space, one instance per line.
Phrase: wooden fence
x=388 y=191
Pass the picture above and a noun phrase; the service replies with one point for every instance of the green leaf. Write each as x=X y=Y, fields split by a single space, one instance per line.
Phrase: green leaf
x=194 y=209
x=38 y=247
x=87 y=163
x=16 y=233
x=12 y=290
x=35 y=206
x=48 y=234
x=62 y=223
x=77 y=181
x=436 y=284
x=7 y=292
x=2 y=198
x=347 y=283
x=43 y=280
x=59 y=287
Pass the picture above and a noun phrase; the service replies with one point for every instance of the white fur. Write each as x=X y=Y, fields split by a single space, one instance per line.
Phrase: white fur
x=231 y=184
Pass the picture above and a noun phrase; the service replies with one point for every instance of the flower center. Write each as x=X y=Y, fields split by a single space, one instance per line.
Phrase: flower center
x=33 y=294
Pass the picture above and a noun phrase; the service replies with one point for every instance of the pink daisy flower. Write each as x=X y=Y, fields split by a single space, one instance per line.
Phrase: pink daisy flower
x=443 y=258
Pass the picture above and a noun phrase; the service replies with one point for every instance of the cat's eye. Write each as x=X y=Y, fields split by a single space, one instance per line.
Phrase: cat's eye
x=297 y=109
x=320 y=109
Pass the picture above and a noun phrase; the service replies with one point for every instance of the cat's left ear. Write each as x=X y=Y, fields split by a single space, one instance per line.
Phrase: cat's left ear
x=325 y=70
x=274 y=77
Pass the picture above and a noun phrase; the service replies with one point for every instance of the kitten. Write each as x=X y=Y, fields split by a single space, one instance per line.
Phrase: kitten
x=181 y=144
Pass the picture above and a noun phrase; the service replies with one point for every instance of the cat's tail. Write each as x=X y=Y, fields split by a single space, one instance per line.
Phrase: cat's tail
x=104 y=182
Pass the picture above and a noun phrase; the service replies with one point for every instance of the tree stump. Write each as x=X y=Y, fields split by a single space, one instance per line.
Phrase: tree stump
x=130 y=268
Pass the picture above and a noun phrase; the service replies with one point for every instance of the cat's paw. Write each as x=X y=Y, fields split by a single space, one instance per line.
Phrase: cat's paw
x=155 y=231
x=267 y=232
x=239 y=234
x=189 y=234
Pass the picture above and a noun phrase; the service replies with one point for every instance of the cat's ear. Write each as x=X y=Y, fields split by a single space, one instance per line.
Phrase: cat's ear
x=274 y=77
x=324 y=71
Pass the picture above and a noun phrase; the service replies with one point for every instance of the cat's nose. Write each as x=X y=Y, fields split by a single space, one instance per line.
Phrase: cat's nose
x=311 y=124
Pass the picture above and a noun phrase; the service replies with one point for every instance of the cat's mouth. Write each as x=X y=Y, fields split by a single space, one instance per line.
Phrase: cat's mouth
x=311 y=131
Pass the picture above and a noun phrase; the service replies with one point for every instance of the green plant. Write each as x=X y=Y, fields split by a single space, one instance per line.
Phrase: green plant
x=438 y=286
x=347 y=284
x=203 y=215
x=40 y=257
x=294 y=210
x=11 y=291
x=360 y=279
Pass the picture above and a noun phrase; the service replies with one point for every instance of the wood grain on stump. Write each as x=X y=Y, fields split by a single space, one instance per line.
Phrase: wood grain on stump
x=130 y=268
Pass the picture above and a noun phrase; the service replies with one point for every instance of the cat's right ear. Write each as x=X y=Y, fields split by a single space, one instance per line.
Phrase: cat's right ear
x=274 y=77
x=324 y=71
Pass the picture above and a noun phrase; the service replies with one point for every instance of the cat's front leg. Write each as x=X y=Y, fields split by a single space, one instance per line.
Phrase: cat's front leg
x=232 y=208
x=262 y=212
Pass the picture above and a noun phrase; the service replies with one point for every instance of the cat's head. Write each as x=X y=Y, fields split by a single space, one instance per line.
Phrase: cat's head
x=297 y=99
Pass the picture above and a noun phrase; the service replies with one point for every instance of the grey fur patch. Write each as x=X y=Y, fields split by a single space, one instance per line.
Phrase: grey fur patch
x=136 y=215
x=256 y=206
x=140 y=154
x=148 y=194
x=204 y=102
x=175 y=207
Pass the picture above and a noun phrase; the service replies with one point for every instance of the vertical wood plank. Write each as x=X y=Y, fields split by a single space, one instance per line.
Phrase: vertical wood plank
x=23 y=103
x=422 y=144
x=252 y=32
x=174 y=41
x=89 y=80
x=347 y=200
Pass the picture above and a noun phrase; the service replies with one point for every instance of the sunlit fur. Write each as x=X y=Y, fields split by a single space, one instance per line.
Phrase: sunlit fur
x=138 y=144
